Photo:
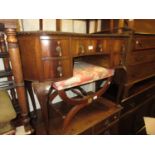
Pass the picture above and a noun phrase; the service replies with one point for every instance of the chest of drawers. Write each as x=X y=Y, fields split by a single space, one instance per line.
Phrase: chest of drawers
x=140 y=58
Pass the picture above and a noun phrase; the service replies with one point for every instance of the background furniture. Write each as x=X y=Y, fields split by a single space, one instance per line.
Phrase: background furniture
x=134 y=79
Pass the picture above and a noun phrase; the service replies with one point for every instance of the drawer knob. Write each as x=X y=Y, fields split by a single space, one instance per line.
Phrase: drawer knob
x=59 y=69
x=139 y=43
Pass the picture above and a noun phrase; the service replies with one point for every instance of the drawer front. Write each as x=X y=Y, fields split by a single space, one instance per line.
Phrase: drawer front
x=140 y=71
x=81 y=47
x=57 y=69
x=56 y=47
x=143 y=57
x=103 y=46
x=140 y=43
x=91 y=46
x=101 y=127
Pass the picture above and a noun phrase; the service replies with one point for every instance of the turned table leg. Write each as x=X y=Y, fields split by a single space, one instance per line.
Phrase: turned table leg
x=14 y=53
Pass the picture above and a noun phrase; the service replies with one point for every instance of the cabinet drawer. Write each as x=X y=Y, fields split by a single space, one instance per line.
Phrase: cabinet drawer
x=81 y=47
x=137 y=72
x=143 y=57
x=54 y=47
x=143 y=43
x=57 y=69
x=105 y=124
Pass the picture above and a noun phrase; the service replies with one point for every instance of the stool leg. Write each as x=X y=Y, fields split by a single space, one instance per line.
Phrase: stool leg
x=72 y=113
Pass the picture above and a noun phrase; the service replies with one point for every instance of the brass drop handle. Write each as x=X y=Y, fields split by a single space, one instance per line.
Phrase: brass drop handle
x=123 y=54
x=59 y=49
x=139 y=43
x=100 y=48
x=59 y=70
x=81 y=49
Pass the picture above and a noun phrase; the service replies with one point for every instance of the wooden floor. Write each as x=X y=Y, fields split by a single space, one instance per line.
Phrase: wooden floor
x=82 y=122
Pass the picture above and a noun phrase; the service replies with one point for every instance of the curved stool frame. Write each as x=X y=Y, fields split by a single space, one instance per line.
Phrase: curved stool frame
x=79 y=103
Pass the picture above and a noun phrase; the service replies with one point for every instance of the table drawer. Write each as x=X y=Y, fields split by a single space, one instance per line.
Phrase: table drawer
x=57 y=68
x=140 y=43
x=54 y=47
x=81 y=47
x=103 y=46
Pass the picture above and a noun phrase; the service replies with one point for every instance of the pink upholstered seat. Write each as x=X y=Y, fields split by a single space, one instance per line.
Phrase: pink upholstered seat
x=84 y=73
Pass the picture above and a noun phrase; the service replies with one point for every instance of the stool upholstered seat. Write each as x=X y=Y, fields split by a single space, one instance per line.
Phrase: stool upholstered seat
x=84 y=73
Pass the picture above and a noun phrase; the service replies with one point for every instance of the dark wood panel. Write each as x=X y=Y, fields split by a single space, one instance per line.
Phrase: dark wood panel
x=30 y=57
